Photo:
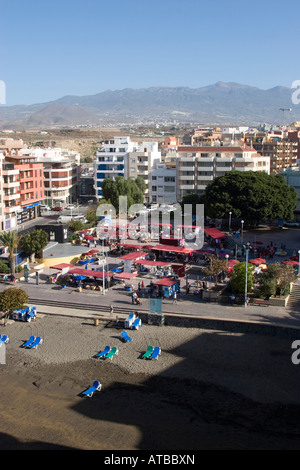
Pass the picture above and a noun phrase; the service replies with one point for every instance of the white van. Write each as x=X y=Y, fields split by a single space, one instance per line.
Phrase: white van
x=65 y=219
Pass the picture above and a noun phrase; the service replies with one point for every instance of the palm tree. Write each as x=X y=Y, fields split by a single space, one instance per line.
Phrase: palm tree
x=10 y=240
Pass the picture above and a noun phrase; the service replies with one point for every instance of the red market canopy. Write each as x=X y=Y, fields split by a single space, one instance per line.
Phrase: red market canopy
x=148 y=262
x=291 y=262
x=133 y=256
x=91 y=252
x=174 y=249
x=257 y=261
x=62 y=266
x=124 y=275
x=166 y=282
x=88 y=272
x=232 y=262
x=214 y=233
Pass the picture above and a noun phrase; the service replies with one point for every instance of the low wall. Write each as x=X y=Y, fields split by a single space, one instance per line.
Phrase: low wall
x=233 y=326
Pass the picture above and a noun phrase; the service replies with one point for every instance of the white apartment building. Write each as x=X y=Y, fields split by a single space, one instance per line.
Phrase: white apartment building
x=197 y=166
x=111 y=159
x=163 y=185
x=141 y=162
x=123 y=157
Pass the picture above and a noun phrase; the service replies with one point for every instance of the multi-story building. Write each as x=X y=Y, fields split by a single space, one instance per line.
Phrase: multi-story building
x=276 y=144
x=31 y=184
x=197 y=166
x=140 y=163
x=123 y=157
x=111 y=159
x=61 y=174
x=11 y=196
x=292 y=178
x=163 y=185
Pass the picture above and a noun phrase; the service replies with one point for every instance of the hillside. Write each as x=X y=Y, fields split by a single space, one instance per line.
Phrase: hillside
x=221 y=103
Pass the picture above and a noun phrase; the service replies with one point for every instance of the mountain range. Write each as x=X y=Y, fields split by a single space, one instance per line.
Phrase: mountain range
x=217 y=104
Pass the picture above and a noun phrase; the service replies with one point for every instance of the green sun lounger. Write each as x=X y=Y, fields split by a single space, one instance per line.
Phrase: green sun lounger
x=148 y=352
x=113 y=352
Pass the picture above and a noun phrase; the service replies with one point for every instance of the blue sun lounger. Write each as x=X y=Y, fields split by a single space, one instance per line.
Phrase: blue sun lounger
x=156 y=352
x=3 y=339
x=38 y=340
x=125 y=336
x=95 y=387
x=104 y=352
x=29 y=342
x=137 y=322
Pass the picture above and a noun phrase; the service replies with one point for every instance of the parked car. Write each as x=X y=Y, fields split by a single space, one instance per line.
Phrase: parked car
x=291 y=223
x=71 y=206
x=44 y=207
x=57 y=208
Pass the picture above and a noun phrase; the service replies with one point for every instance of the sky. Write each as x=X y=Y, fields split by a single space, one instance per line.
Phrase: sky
x=49 y=49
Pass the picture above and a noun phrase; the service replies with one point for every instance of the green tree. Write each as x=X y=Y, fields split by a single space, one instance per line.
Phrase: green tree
x=130 y=188
x=275 y=280
x=252 y=195
x=76 y=225
x=10 y=240
x=12 y=299
x=34 y=242
x=193 y=199
x=214 y=268
x=238 y=278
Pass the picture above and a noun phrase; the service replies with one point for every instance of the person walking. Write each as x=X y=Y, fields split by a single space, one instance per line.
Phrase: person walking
x=175 y=297
x=111 y=310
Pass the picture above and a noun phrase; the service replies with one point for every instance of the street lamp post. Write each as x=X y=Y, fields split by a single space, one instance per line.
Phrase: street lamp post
x=229 y=223
x=242 y=234
x=246 y=273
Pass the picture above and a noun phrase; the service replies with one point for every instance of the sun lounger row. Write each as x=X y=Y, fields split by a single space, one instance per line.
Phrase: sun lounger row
x=26 y=314
x=3 y=339
x=108 y=352
x=152 y=352
x=33 y=342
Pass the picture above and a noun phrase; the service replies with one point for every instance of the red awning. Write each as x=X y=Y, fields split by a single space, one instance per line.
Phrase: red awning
x=62 y=266
x=174 y=249
x=124 y=275
x=257 y=261
x=214 y=233
x=87 y=272
x=133 y=256
x=148 y=262
x=166 y=282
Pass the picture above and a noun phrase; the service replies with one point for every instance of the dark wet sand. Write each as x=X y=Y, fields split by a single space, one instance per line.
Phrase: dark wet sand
x=210 y=390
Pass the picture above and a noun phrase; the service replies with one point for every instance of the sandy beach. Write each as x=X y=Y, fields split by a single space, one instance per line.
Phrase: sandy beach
x=207 y=390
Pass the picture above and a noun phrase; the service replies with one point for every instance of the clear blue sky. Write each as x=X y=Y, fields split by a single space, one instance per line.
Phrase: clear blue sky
x=49 y=49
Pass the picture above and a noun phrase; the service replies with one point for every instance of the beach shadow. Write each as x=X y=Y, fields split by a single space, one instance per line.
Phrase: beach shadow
x=8 y=442
x=225 y=392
